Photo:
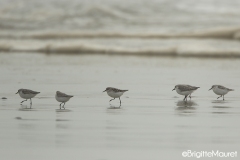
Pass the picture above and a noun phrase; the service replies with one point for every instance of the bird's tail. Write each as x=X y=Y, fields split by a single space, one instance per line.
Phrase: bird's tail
x=125 y=90
x=231 y=89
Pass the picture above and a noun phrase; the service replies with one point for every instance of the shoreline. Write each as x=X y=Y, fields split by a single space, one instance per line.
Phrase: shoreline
x=196 y=49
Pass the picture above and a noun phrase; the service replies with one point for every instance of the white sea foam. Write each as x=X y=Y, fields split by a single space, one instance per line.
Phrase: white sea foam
x=216 y=33
x=169 y=47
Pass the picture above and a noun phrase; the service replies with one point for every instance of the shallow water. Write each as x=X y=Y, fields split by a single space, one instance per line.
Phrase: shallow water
x=152 y=123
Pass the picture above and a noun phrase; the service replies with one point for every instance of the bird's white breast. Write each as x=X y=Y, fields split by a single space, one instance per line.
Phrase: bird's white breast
x=115 y=94
x=184 y=92
x=219 y=91
x=26 y=96
x=62 y=99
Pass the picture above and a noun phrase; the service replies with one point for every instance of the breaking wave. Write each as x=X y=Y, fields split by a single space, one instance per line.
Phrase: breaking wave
x=219 y=33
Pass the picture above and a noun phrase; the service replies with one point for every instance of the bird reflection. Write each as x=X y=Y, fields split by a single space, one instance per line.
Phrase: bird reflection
x=220 y=109
x=220 y=101
x=186 y=105
x=114 y=107
x=62 y=110
x=26 y=108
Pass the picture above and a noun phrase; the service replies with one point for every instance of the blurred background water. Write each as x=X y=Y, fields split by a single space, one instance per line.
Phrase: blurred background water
x=120 y=16
x=172 y=27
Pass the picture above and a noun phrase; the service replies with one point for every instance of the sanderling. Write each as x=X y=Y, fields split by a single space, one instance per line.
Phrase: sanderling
x=62 y=97
x=27 y=94
x=220 y=90
x=114 y=93
x=185 y=90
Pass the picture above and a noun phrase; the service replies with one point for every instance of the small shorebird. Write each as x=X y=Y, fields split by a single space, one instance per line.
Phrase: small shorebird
x=114 y=93
x=27 y=94
x=63 y=98
x=220 y=90
x=185 y=90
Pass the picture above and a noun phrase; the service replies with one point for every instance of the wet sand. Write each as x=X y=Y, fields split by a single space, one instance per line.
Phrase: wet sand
x=152 y=123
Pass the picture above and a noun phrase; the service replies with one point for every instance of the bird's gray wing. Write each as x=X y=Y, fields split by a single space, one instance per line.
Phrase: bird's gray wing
x=187 y=88
x=222 y=87
x=193 y=87
x=60 y=94
x=28 y=91
x=117 y=90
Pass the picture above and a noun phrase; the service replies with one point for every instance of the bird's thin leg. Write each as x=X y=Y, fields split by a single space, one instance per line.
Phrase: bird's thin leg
x=60 y=105
x=190 y=96
x=185 y=98
x=24 y=100
x=223 y=97
x=219 y=96
x=31 y=103
x=63 y=105
x=120 y=102
x=111 y=99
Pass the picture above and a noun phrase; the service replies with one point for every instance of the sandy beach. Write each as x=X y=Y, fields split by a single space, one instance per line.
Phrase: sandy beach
x=152 y=123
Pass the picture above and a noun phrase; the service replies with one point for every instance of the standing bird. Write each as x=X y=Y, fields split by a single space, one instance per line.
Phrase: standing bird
x=220 y=90
x=114 y=93
x=63 y=98
x=185 y=90
x=27 y=94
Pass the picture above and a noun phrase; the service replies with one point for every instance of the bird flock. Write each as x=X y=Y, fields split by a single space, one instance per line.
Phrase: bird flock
x=187 y=90
x=182 y=89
